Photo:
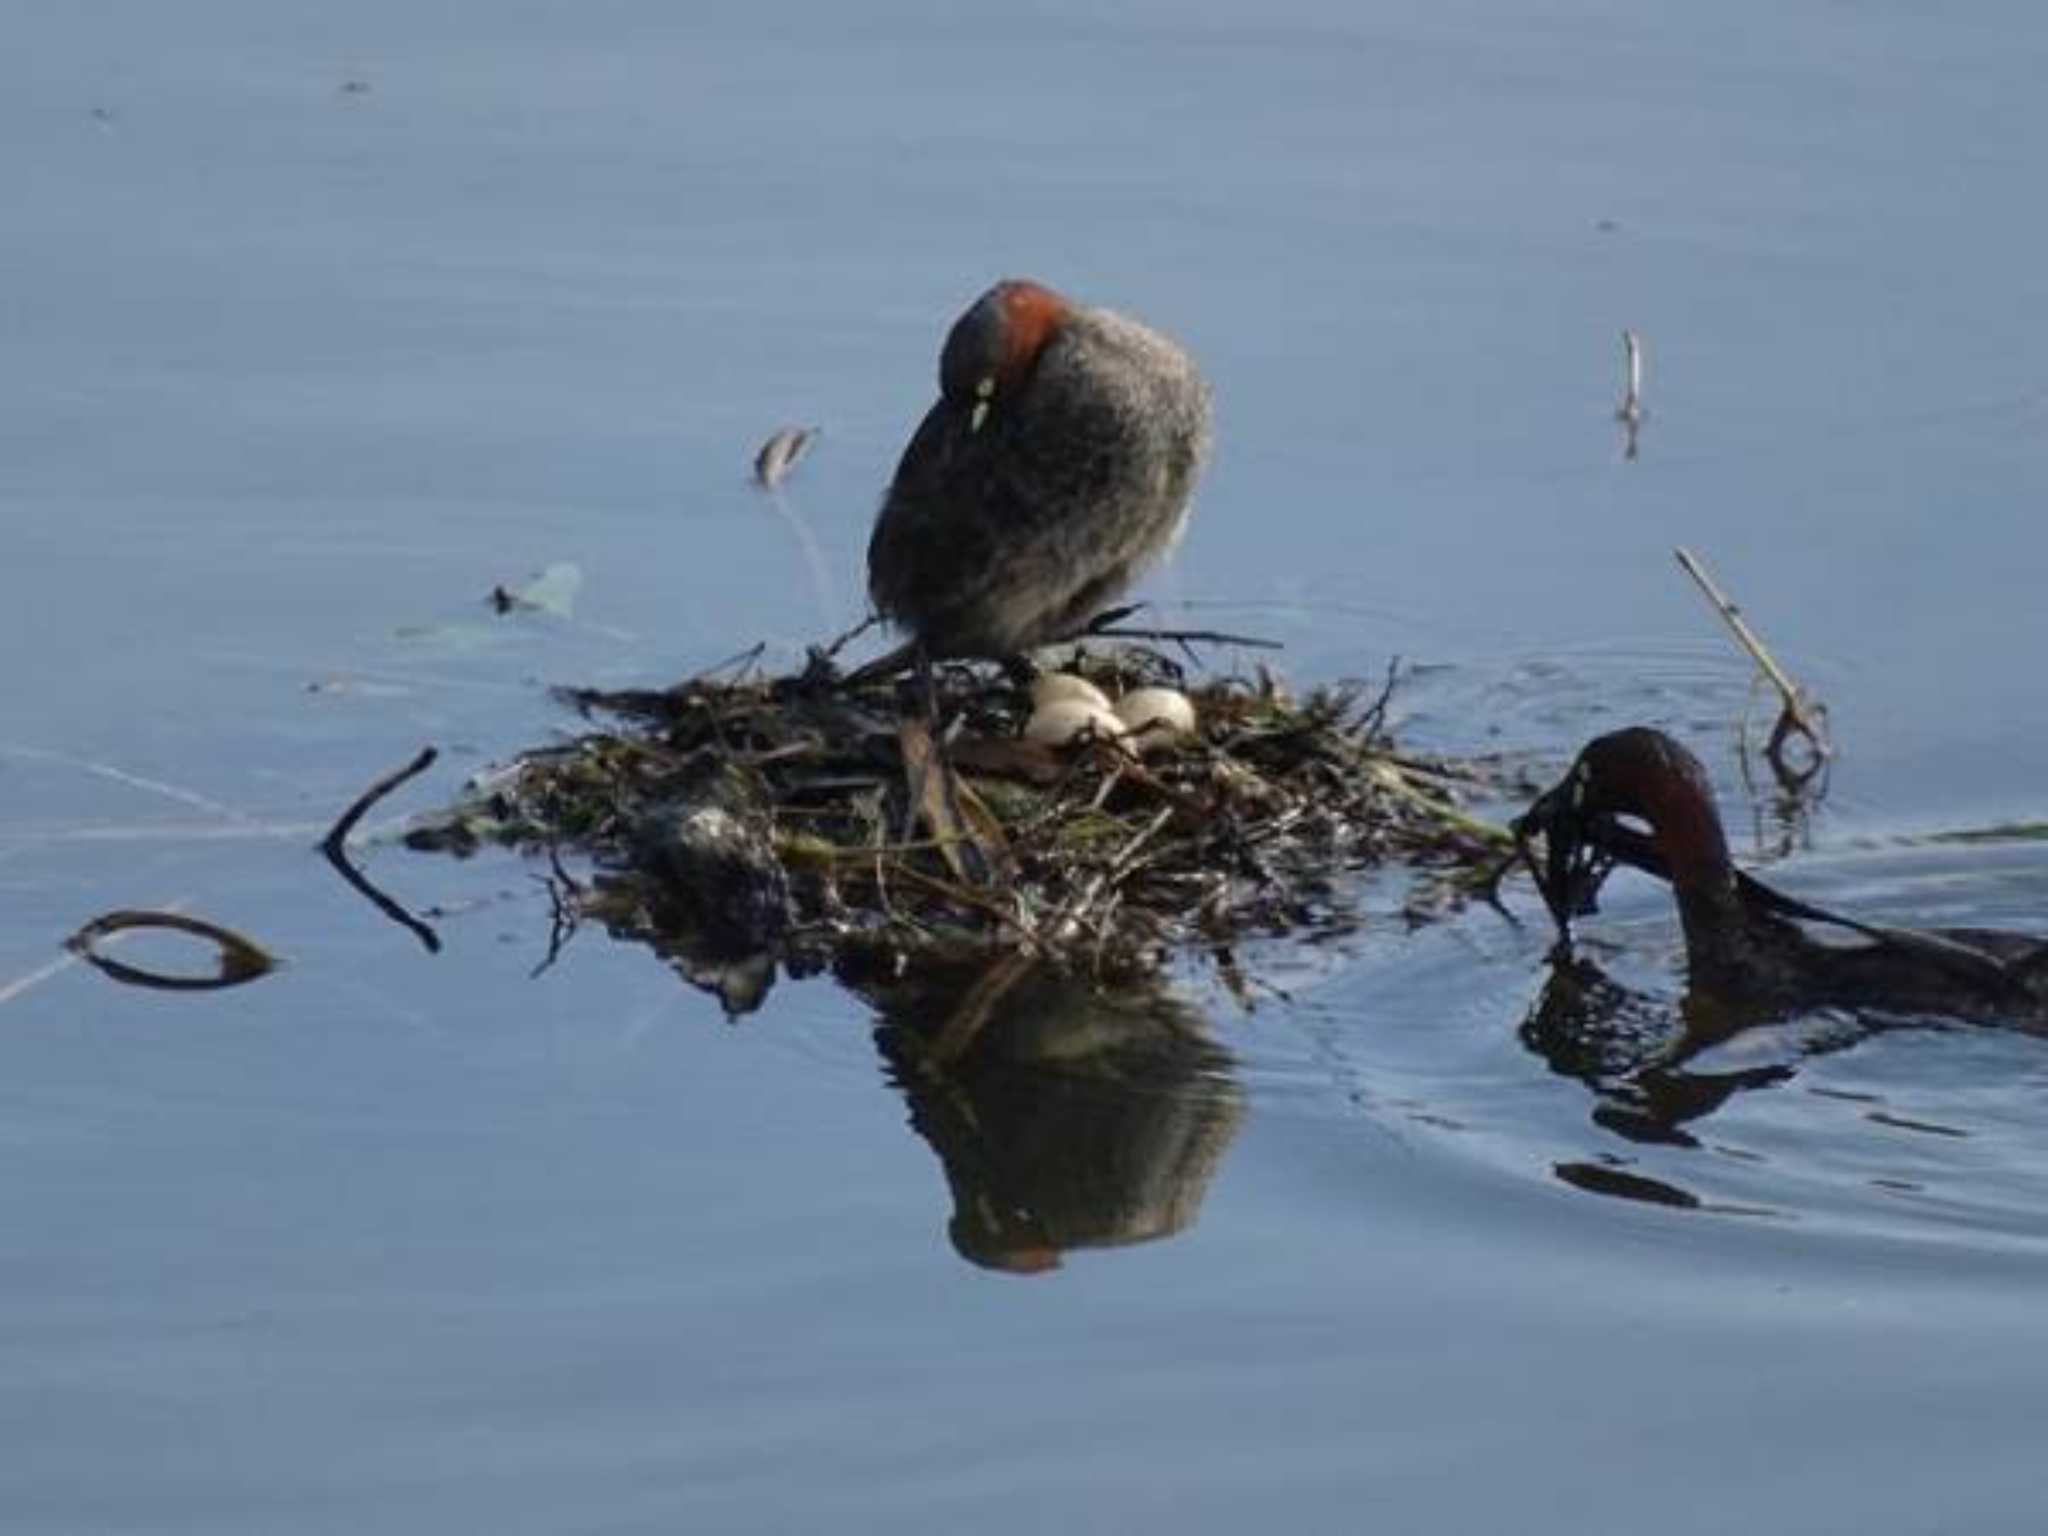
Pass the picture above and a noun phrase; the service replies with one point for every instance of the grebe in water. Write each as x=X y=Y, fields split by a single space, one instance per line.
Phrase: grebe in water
x=1744 y=940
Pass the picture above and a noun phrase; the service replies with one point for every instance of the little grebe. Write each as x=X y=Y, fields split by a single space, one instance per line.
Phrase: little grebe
x=1743 y=939
x=1056 y=465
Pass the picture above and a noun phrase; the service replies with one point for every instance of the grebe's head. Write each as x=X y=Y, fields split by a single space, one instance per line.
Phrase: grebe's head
x=1635 y=796
x=1644 y=773
x=992 y=349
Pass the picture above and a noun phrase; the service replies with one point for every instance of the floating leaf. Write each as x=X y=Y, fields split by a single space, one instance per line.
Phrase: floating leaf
x=552 y=590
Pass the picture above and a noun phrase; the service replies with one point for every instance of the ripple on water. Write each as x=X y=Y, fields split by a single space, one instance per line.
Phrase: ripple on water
x=1461 y=1039
x=1551 y=702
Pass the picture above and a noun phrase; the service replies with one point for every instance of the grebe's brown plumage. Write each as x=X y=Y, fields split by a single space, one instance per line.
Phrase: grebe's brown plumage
x=1056 y=465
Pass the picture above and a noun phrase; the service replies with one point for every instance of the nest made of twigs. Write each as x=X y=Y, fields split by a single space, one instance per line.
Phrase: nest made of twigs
x=805 y=818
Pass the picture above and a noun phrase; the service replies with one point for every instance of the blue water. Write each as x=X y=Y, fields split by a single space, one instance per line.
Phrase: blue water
x=320 y=323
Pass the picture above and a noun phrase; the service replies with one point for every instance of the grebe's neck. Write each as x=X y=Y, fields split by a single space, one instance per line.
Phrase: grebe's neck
x=1644 y=773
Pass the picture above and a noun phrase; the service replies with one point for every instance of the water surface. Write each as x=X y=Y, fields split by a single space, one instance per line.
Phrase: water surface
x=320 y=324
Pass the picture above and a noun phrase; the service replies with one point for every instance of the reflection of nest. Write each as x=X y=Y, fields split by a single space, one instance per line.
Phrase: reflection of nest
x=773 y=815
x=1065 y=1117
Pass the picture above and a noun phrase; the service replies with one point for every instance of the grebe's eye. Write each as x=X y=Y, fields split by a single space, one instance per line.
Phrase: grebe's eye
x=984 y=393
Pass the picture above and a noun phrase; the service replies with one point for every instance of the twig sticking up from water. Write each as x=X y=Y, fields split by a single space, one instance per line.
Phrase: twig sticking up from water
x=1798 y=714
x=1632 y=400
x=1630 y=412
x=1782 y=817
x=335 y=846
x=779 y=455
x=337 y=835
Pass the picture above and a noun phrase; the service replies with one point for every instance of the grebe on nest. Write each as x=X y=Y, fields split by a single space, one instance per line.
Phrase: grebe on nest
x=1056 y=465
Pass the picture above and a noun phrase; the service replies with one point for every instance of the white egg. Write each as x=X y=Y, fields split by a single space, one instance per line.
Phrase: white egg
x=1156 y=716
x=1059 y=722
x=1054 y=686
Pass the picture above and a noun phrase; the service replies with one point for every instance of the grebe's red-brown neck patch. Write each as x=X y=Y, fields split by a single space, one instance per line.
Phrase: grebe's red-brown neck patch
x=1031 y=313
x=1643 y=772
x=993 y=347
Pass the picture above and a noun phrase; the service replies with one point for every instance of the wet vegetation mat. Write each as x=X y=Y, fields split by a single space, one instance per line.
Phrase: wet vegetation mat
x=742 y=823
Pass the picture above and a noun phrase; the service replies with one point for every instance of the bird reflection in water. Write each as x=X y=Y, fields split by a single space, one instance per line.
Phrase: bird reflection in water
x=1656 y=1066
x=1065 y=1116
x=1639 y=1052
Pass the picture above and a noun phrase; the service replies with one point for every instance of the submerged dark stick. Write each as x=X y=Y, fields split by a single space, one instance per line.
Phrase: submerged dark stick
x=241 y=959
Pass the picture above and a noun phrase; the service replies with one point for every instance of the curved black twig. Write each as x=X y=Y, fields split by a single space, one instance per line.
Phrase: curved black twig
x=335 y=847
x=338 y=833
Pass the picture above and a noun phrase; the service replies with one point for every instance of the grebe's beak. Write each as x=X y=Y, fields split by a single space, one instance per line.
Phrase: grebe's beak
x=984 y=395
x=1574 y=863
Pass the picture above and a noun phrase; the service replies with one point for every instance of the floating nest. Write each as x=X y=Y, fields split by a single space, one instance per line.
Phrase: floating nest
x=742 y=823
